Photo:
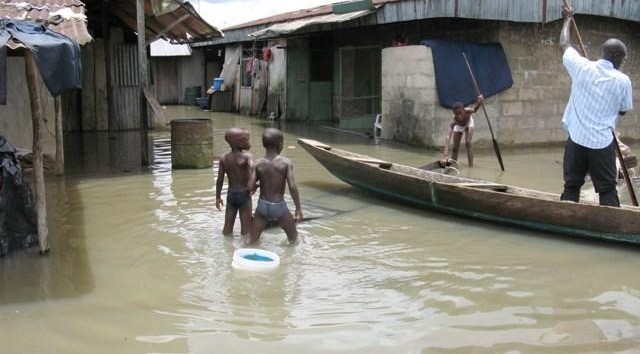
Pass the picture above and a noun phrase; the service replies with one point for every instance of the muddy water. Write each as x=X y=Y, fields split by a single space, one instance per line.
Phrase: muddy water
x=139 y=265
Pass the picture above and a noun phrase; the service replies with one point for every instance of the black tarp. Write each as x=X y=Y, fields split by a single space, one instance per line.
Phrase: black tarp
x=453 y=80
x=18 y=222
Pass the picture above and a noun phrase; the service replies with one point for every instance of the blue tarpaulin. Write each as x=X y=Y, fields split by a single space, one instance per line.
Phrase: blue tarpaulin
x=57 y=56
x=453 y=80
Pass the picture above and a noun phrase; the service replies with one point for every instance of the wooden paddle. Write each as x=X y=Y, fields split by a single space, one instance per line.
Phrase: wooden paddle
x=496 y=148
x=623 y=165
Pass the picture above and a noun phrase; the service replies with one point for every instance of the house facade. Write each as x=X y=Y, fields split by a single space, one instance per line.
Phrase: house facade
x=342 y=69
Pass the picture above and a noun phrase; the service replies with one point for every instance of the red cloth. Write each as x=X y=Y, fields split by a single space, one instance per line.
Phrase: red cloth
x=266 y=54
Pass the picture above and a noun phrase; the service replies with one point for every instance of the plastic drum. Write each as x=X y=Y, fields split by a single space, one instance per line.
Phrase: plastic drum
x=256 y=260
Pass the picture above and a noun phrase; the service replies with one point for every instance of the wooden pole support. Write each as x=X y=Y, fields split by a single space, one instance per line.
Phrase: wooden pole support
x=37 y=116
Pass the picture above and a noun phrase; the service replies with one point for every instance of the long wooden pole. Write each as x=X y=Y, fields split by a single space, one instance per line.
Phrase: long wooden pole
x=37 y=117
x=59 y=136
x=142 y=78
x=496 y=148
x=623 y=165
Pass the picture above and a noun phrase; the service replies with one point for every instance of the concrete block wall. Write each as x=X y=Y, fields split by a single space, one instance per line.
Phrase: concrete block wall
x=410 y=109
x=530 y=113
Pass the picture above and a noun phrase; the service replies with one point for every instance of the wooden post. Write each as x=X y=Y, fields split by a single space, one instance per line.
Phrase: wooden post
x=37 y=116
x=142 y=77
x=57 y=101
x=106 y=39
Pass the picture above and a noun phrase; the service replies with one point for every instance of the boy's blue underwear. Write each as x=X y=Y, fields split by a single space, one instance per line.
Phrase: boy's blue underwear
x=237 y=199
x=271 y=211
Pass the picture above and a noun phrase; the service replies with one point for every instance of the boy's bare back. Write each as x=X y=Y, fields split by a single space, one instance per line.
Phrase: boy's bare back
x=237 y=166
x=272 y=175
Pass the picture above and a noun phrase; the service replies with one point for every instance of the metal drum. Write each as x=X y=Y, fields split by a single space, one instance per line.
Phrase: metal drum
x=192 y=143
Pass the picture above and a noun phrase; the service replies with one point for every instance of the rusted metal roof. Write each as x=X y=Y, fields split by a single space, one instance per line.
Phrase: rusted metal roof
x=295 y=15
x=64 y=16
x=179 y=23
x=396 y=11
x=283 y=28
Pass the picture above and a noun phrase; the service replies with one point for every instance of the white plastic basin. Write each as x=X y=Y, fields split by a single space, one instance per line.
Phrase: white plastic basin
x=253 y=259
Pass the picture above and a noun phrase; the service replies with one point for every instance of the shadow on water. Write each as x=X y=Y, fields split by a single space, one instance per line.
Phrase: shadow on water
x=65 y=272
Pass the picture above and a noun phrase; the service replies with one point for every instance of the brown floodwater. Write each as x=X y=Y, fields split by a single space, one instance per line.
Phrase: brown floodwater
x=138 y=264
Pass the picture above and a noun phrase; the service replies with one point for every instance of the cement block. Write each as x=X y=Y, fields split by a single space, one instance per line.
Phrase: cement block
x=512 y=108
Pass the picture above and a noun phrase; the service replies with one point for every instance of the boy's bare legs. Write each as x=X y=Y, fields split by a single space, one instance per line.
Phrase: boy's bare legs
x=229 y=220
x=456 y=145
x=245 y=219
x=468 y=138
x=288 y=224
x=257 y=226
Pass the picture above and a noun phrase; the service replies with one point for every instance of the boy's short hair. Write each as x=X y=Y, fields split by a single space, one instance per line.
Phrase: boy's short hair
x=457 y=105
x=234 y=134
x=271 y=138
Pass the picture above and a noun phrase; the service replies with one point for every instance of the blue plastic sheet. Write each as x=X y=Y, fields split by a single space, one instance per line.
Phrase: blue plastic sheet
x=453 y=80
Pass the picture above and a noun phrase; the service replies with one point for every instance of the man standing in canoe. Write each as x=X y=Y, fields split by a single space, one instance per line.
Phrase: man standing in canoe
x=599 y=93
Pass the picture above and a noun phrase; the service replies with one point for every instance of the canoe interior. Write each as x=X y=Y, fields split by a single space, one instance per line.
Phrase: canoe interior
x=476 y=198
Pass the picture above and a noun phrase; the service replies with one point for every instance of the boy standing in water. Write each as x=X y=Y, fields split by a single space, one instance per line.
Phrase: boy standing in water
x=462 y=123
x=273 y=172
x=237 y=165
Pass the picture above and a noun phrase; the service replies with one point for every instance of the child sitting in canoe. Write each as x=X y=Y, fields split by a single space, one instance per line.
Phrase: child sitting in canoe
x=462 y=123
x=237 y=165
x=273 y=172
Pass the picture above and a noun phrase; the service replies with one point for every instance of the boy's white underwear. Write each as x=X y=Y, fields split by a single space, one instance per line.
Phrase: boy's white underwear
x=461 y=128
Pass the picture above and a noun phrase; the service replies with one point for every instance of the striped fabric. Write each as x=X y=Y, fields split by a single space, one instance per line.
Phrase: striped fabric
x=598 y=93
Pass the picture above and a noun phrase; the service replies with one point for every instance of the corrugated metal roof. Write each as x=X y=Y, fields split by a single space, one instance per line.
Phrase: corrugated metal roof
x=295 y=15
x=163 y=48
x=288 y=27
x=65 y=16
x=394 y=11
x=181 y=25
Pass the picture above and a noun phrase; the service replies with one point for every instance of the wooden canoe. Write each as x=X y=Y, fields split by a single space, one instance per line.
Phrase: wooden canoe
x=479 y=199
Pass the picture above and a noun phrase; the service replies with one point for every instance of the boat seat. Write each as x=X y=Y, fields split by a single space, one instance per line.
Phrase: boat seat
x=381 y=163
x=492 y=186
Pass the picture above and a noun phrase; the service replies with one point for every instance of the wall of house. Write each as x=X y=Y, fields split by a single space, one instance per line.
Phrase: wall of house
x=191 y=71
x=276 y=96
x=529 y=113
x=298 y=79
x=94 y=108
x=15 y=124
x=410 y=110
x=165 y=80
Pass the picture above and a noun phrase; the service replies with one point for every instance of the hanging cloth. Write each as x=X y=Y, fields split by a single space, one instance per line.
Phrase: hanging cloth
x=57 y=56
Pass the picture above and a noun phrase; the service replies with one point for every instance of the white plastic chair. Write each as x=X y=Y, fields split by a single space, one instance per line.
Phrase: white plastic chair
x=377 y=126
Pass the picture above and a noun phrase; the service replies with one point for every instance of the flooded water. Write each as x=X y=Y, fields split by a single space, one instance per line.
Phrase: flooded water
x=138 y=264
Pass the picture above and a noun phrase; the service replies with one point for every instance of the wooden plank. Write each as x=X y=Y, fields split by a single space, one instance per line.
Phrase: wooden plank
x=493 y=186
x=154 y=104
x=37 y=116
x=381 y=163
x=59 y=136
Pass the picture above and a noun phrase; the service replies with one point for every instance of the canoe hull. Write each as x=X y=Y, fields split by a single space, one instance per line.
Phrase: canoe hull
x=478 y=199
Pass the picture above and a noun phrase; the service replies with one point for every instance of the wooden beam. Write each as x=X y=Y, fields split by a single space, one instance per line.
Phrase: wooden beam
x=169 y=28
x=142 y=78
x=106 y=39
x=37 y=116
x=57 y=101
